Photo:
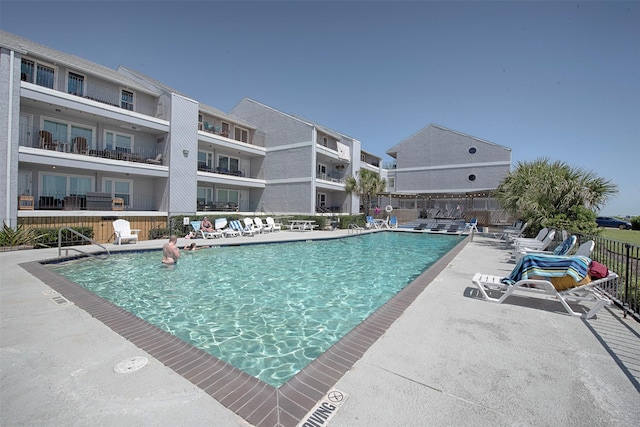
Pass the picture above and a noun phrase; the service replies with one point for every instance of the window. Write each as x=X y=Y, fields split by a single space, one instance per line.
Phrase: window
x=229 y=163
x=58 y=130
x=205 y=158
x=27 y=70
x=322 y=171
x=200 y=126
x=321 y=200
x=392 y=182
x=325 y=141
x=205 y=195
x=39 y=74
x=44 y=76
x=75 y=84
x=241 y=134
x=472 y=177
x=118 y=188
x=65 y=132
x=127 y=100
x=118 y=142
x=472 y=150
x=59 y=186
x=228 y=196
x=225 y=129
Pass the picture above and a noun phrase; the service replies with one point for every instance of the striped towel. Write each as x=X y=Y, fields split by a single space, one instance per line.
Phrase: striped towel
x=536 y=266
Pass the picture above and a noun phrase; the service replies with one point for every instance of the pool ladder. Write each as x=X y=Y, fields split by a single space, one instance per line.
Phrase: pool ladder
x=67 y=249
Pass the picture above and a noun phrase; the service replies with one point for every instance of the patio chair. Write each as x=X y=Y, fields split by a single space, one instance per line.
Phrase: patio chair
x=264 y=228
x=46 y=140
x=563 y=249
x=250 y=225
x=471 y=226
x=123 y=232
x=511 y=233
x=438 y=228
x=221 y=225
x=156 y=161
x=393 y=222
x=521 y=241
x=243 y=230
x=80 y=145
x=535 y=245
x=274 y=225
x=454 y=228
x=585 y=249
x=563 y=279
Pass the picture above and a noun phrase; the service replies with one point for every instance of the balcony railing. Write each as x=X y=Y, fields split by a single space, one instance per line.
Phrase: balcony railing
x=92 y=201
x=61 y=142
x=338 y=179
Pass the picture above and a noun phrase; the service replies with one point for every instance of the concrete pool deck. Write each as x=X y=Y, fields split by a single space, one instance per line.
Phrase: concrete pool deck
x=449 y=359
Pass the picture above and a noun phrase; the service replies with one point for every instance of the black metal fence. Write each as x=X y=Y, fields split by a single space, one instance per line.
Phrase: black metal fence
x=623 y=259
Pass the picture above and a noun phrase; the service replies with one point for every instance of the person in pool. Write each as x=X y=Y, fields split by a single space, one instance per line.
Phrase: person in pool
x=170 y=251
x=190 y=248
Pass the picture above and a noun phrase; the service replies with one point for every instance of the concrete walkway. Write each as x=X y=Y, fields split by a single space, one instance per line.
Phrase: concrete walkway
x=450 y=359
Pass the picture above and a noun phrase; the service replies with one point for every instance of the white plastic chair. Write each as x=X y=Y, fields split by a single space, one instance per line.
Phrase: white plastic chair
x=124 y=232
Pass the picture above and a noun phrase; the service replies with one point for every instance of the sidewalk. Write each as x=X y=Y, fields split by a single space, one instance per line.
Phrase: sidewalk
x=450 y=359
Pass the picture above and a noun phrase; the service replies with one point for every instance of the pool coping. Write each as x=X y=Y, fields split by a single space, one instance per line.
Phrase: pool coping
x=256 y=402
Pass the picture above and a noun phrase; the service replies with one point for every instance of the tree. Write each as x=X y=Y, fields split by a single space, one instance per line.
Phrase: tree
x=554 y=195
x=366 y=186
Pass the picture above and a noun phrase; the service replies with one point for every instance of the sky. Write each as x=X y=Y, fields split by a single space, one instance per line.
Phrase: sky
x=548 y=79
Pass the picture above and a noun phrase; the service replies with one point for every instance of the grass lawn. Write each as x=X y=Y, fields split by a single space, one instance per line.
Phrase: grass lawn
x=627 y=236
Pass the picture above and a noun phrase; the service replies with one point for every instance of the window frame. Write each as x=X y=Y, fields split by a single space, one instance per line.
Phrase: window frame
x=84 y=83
x=229 y=158
x=116 y=133
x=127 y=197
x=124 y=102
x=243 y=133
x=69 y=132
x=67 y=177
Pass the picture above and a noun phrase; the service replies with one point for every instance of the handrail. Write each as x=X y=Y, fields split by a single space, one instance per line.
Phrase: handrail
x=78 y=250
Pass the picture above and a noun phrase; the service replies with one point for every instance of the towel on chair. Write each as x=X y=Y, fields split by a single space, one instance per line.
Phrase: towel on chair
x=548 y=266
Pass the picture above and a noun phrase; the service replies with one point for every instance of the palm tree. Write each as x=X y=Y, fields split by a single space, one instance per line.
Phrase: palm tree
x=554 y=194
x=366 y=186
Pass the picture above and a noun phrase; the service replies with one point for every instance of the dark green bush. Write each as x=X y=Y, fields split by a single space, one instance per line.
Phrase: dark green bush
x=48 y=237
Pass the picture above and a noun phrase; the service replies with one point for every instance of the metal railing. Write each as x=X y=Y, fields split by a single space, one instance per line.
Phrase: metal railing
x=623 y=259
x=67 y=249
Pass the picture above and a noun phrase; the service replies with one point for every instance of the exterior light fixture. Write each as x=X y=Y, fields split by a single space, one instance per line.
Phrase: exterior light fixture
x=185 y=153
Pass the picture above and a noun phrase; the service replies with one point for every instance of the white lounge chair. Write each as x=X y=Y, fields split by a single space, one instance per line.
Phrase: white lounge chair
x=585 y=249
x=516 y=231
x=199 y=232
x=522 y=241
x=563 y=249
x=274 y=225
x=123 y=231
x=245 y=231
x=585 y=293
x=535 y=247
x=221 y=225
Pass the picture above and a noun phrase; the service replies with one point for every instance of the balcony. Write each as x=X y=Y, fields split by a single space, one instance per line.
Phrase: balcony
x=63 y=143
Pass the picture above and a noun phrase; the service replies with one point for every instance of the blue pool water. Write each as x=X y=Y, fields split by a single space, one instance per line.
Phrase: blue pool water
x=267 y=309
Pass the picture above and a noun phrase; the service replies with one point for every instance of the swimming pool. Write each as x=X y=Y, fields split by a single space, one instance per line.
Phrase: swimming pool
x=266 y=309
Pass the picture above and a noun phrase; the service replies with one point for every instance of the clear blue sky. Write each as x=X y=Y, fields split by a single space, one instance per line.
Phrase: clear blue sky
x=547 y=79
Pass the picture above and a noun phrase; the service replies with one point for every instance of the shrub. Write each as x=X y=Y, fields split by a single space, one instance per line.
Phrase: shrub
x=48 y=237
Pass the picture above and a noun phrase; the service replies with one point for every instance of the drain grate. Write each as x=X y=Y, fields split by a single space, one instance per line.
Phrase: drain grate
x=131 y=365
x=57 y=298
